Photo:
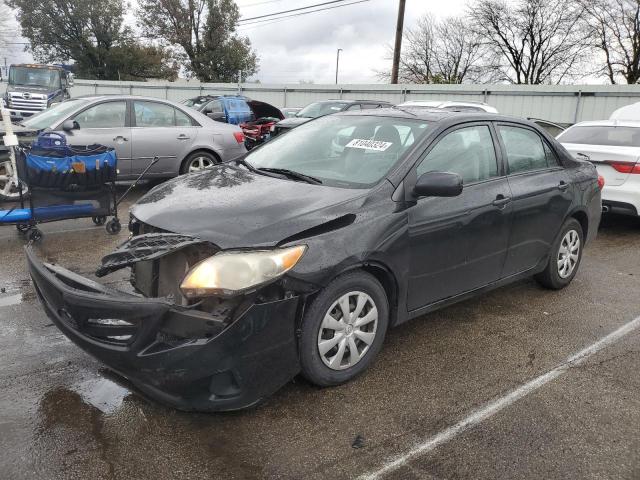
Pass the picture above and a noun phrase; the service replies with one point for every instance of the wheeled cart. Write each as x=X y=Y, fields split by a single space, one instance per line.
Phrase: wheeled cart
x=64 y=182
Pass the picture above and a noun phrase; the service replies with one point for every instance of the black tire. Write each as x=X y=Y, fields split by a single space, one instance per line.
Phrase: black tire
x=206 y=156
x=35 y=235
x=551 y=276
x=113 y=227
x=99 y=220
x=313 y=365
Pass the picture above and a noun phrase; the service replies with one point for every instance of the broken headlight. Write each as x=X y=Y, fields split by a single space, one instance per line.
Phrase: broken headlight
x=233 y=271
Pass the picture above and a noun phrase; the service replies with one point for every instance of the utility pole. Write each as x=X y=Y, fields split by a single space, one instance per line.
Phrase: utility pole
x=337 y=63
x=239 y=82
x=398 y=44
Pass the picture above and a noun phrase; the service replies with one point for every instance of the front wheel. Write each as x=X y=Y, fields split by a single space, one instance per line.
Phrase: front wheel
x=564 y=258
x=343 y=330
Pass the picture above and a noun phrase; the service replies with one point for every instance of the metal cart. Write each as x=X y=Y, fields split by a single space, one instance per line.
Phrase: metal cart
x=65 y=182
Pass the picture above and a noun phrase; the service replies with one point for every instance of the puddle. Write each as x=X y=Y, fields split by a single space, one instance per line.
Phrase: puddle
x=9 y=300
x=103 y=394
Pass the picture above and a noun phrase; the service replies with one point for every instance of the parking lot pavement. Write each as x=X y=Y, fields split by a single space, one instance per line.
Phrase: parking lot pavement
x=63 y=416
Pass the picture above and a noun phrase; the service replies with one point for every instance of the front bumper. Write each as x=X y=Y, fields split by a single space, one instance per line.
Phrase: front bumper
x=17 y=114
x=183 y=358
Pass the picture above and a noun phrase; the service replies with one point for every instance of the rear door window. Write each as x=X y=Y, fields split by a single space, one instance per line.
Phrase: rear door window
x=524 y=148
x=154 y=114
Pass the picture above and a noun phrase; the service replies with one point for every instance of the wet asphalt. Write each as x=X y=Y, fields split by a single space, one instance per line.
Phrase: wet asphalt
x=63 y=415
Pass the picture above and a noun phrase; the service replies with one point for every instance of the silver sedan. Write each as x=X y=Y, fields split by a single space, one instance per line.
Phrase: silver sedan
x=140 y=128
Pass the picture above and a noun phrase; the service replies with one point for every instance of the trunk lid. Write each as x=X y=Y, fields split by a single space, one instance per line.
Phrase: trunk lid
x=603 y=156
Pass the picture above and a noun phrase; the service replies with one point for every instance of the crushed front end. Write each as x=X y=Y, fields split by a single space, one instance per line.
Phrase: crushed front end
x=217 y=352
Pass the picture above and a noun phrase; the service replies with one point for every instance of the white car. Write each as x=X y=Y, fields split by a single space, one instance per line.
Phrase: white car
x=451 y=106
x=613 y=146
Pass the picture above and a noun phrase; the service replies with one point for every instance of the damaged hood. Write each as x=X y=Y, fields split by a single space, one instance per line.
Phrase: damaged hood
x=236 y=208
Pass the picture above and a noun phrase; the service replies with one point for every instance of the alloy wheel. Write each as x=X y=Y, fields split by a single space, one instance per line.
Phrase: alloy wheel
x=347 y=330
x=8 y=189
x=568 y=254
x=200 y=163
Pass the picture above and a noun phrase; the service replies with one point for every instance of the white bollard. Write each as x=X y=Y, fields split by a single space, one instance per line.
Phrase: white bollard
x=11 y=141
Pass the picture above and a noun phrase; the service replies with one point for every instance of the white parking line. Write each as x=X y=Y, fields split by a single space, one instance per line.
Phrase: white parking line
x=491 y=408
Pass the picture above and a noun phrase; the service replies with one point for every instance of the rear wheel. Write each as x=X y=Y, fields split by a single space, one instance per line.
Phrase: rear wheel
x=198 y=161
x=564 y=258
x=343 y=330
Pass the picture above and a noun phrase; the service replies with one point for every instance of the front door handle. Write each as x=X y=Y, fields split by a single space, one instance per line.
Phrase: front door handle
x=183 y=137
x=501 y=201
x=120 y=137
x=563 y=186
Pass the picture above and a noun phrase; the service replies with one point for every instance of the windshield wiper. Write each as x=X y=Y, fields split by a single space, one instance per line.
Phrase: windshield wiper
x=292 y=174
x=242 y=161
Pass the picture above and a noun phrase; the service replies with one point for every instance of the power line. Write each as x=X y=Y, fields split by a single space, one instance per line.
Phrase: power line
x=292 y=10
x=302 y=13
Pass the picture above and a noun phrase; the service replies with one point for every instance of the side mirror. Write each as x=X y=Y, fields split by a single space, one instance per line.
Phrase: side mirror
x=70 y=79
x=438 y=184
x=69 y=125
x=217 y=116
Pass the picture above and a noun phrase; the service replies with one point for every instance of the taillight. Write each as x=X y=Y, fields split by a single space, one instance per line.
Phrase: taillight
x=600 y=182
x=239 y=137
x=625 y=167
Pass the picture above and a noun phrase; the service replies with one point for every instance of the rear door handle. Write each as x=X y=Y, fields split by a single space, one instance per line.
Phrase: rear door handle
x=124 y=139
x=501 y=201
x=183 y=137
x=563 y=186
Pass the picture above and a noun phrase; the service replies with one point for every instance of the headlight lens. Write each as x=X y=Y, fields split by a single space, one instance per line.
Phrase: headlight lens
x=229 y=272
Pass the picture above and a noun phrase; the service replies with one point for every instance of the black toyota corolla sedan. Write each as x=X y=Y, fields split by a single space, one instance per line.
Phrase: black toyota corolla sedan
x=299 y=256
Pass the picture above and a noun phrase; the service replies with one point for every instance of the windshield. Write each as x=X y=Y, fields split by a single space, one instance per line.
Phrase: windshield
x=34 y=77
x=318 y=109
x=52 y=116
x=353 y=151
x=602 y=135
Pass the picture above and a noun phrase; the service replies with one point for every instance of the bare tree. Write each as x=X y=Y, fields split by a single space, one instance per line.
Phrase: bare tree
x=532 y=41
x=417 y=59
x=458 y=51
x=439 y=51
x=614 y=27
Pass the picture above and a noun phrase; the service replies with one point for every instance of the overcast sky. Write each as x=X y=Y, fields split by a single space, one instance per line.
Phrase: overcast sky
x=304 y=47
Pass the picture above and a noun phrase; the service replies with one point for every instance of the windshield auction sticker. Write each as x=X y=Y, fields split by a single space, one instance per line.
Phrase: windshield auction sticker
x=369 y=144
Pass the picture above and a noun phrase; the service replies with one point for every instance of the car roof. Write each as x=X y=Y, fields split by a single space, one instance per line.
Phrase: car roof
x=438 y=115
x=120 y=96
x=609 y=123
x=350 y=100
x=446 y=103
